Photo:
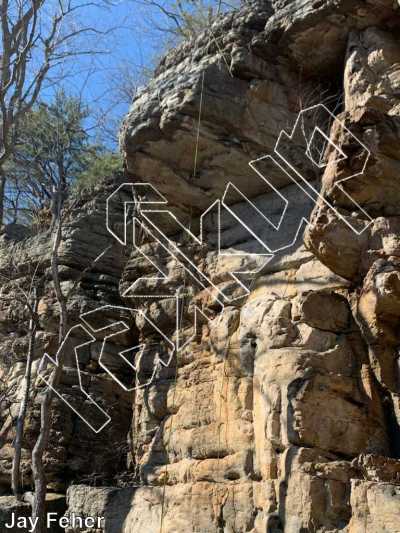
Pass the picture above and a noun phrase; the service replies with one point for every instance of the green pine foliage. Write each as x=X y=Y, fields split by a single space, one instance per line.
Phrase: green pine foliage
x=54 y=152
x=100 y=164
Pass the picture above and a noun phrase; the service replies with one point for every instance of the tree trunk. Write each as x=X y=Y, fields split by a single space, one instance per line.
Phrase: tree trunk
x=2 y=194
x=39 y=477
x=19 y=430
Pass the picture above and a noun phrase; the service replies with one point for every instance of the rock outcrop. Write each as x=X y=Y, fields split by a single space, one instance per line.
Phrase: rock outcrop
x=280 y=411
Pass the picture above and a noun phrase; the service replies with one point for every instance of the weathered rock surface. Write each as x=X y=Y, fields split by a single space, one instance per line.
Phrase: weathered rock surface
x=8 y=506
x=75 y=452
x=281 y=413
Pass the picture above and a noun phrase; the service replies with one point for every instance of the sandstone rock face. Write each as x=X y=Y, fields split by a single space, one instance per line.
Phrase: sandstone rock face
x=87 y=456
x=280 y=410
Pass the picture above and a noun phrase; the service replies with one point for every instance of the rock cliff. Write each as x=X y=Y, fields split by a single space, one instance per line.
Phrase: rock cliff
x=280 y=411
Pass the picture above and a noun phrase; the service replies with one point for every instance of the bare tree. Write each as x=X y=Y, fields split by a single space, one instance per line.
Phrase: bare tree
x=37 y=39
x=39 y=476
x=15 y=291
x=38 y=470
x=185 y=18
x=19 y=428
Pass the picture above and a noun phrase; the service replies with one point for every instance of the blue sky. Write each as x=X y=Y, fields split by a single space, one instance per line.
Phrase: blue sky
x=129 y=40
x=126 y=46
